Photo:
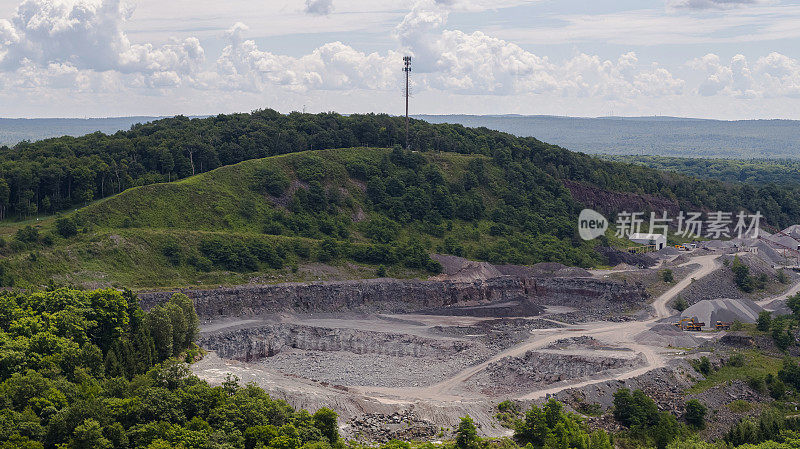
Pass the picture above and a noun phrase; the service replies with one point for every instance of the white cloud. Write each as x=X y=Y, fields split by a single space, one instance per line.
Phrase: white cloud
x=333 y=66
x=476 y=63
x=319 y=7
x=88 y=35
x=774 y=75
x=83 y=47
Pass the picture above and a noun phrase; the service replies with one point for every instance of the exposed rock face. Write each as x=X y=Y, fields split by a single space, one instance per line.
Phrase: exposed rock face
x=607 y=201
x=400 y=296
x=267 y=341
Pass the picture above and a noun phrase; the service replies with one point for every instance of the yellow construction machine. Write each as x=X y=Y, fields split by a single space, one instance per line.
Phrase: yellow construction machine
x=689 y=324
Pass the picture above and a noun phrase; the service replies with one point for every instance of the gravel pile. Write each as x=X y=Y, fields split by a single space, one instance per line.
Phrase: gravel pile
x=616 y=257
x=404 y=425
x=665 y=334
x=668 y=251
x=517 y=375
x=725 y=310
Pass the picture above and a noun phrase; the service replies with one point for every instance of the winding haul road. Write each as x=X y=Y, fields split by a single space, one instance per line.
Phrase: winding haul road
x=616 y=334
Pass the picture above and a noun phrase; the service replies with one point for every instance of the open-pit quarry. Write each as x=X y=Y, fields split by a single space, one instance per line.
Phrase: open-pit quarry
x=406 y=358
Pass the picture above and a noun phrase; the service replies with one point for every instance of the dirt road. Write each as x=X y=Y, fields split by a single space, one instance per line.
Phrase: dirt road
x=707 y=265
x=768 y=303
x=616 y=334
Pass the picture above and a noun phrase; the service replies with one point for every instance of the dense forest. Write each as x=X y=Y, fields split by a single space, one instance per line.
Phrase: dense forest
x=752 y=171
x=57 y=174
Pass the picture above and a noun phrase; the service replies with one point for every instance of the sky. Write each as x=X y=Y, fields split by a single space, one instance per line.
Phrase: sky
x=724 y=59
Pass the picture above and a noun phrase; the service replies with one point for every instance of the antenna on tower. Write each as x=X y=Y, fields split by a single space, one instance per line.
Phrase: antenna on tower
x=407 y=69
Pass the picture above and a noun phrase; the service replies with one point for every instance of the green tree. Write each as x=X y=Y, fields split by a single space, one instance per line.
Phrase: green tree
x=680 y=304
x=742 y=275
x=793 y=303
x=764 y=321
x=667 y=276
x=89 y=435
x=467 y=435
x=696 y=413
x=190 y=319
x=325 y=421
x=160 y=324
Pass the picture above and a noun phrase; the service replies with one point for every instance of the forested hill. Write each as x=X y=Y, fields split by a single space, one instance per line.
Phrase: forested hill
x=754 y=171
x=60 y=173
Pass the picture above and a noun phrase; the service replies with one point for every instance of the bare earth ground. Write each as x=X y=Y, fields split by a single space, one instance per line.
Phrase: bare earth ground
x=428 y=370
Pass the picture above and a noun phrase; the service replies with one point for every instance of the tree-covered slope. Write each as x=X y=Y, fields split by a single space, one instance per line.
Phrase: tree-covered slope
x=374 y=207
x=58 y=174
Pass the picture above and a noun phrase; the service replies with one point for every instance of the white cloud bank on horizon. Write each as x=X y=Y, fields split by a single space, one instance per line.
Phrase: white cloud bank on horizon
x=80 y=46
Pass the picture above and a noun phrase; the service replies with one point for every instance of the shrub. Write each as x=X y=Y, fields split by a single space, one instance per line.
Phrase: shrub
x=680 y=304
x=667 y=276
x=757 y=383
x=737 y=360
x=793 y=303
x=66 y=227
x=776 y=387
x=781 y=334
x=634 y=409
x=230 y=254
x=200 y=262
x=740 y=406
x=742 y=276
x=381 y=271
x=172 y=251
x=28 y=234
x=782 y=278
x=703 y=365
x=696 y=413
x=327 y=250
x=270 y=180
x=764 y=321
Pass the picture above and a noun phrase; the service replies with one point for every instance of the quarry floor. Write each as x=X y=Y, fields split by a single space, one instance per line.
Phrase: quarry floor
x=439 y=368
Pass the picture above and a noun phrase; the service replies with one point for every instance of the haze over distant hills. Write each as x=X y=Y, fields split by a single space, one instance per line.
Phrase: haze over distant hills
x=13 y=130
x=660 y=136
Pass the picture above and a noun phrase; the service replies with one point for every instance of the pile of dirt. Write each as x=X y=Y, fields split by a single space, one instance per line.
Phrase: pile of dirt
x=624 y=267
x=682 y=259
x=668 y=251
x=725 y=310
x=616 y=257
x=769 y=254
x=666 y=334
x=717 y=244
x=543 y=270
x=459 y=269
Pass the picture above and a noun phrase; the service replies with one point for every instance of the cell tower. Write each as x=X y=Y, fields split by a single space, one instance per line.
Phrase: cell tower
x=407 y=69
